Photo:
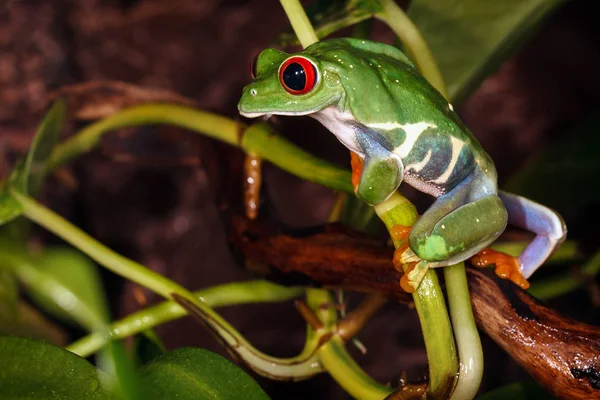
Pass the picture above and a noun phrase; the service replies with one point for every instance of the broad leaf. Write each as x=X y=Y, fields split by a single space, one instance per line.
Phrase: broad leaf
x=196 y=374
x=146 y=347
x=9 y=298
x=38 y=370
x=470 y=38
x=65 y=283
x=32 y=324
x=9 y=207
x=30 y=173
x=121 y=379
x=564 y=175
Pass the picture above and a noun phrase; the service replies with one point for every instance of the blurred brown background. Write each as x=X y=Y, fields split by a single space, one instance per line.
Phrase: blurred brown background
x=152 y=193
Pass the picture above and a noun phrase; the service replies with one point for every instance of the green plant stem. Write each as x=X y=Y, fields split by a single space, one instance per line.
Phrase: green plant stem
x=259 y=139
x=262 y=140
x=414 y=43
x=217 y=296
x=300 y=22
x=348 y=374
x=334 y=356
x=430 y=305
x=465 y=331
x=467 y=337
x=300 y=367
x=209 y=124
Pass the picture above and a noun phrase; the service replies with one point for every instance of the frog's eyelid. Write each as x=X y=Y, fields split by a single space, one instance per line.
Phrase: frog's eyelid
x=253 y=70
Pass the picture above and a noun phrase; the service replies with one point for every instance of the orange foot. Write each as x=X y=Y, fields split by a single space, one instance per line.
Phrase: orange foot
x=507 y=267
x=357 y=165
x=404 y=284
x=400 y=233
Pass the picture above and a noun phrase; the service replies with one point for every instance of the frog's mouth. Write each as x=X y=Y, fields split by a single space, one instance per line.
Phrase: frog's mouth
x=254 y=110
x=255 y=114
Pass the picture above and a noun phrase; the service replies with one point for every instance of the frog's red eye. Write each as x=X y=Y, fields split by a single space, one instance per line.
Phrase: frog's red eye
x=298 y=75
x=253 y=67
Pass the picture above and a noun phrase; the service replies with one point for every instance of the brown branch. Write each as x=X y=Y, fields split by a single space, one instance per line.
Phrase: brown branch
x=561 y=354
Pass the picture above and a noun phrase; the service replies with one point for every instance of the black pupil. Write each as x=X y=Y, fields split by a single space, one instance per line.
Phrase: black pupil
x=294 y=76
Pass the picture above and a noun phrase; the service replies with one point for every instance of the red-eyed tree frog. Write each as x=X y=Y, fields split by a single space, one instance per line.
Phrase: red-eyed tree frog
x=400 y=128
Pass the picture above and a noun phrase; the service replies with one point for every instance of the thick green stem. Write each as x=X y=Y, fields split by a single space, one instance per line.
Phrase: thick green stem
x=334 y=356
x=211 y=125
x=430 y=305
x=465 y=331
x=217 y=296
x=300 y=22
x=348 y=374
x=467 y=337
x=413 y=42
x=259 y=139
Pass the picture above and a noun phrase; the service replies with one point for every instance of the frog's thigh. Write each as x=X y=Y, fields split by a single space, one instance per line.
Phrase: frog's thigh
x=459 y=233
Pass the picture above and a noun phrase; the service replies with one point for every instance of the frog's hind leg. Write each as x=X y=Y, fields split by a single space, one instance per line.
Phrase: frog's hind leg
x=549 y=227
x=459 y=223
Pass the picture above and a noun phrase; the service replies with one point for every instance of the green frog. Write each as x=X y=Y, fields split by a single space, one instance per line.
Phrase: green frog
x=400 y=128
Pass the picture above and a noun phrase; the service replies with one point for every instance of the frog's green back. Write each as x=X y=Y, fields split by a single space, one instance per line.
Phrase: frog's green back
x=380 y=81
x=382 y=85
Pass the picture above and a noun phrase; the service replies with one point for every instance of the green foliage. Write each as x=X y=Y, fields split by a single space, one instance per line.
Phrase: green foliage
x=9 y=207
x=469 y=39
x=9 y=298
x=196 y=374
x=329 y=16
x=146 y=347
x=121 y=380
x=29 y=175
x=66 y=283
x=38 y=370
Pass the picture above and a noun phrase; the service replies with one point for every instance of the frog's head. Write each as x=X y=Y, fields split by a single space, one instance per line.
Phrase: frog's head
x=287 y=84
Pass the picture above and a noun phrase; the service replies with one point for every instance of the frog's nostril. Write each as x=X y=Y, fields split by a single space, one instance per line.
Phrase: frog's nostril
x=253 y=92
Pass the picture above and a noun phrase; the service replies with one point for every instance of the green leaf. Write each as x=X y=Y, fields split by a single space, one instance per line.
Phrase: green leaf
x=469 y=39
x=330 y=16
x=30 y=173
x=146 y=347
x=32 y=324
x=563 y=176
x=9 y=208
x=38 y=370
x=189 y=373
x=9 y=298
x=517 y=391
x=122 y=379
x=65 y=283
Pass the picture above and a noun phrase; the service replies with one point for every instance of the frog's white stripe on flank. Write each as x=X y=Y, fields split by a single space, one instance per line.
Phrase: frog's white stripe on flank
x=457 y=146
x=413 y=131
x=417 y=167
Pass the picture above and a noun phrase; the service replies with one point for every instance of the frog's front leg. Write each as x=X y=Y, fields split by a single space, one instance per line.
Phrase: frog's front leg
x=381 y=172
x=459 y=224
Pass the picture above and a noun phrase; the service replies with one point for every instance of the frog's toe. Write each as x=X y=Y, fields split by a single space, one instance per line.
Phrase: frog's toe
x=507 y=267
x=404 y=255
